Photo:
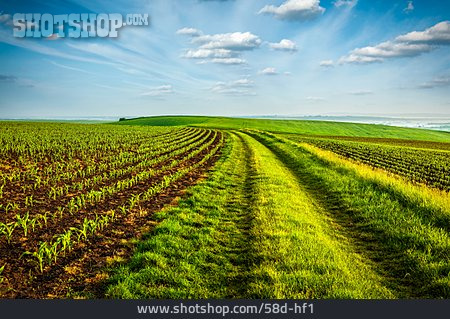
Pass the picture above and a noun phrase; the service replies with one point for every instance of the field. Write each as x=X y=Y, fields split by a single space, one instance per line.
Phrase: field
x=321 y=128
x=193 y=207
x=70 y=193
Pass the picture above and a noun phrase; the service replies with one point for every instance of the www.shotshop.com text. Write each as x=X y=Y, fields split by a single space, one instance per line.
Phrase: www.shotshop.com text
x=263 y=308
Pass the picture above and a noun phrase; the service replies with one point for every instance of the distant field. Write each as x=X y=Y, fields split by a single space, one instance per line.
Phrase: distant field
x=295 y=126
x=199 y=207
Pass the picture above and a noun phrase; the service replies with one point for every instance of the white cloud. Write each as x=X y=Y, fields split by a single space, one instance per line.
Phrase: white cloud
x=362 y=92
x=189 y=32
x=391 y=49
x=239 y=41
x=345 y=3
x=409 y=8
x=408 y=45
x=208 y=53
x=243 y=82
x=384 y=50
x=158 y=91
x=268 y=71
x=239 y=87
x=353 y=58
x=436 y=82
x=284 y=45
x=70 y=67
x=222 y=48
x=295 y=10
x=327 y=63
x=438 y=34
x=315 y=98
x=229 y=61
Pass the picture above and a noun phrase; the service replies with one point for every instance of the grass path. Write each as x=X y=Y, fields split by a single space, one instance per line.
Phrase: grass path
x=301 y=256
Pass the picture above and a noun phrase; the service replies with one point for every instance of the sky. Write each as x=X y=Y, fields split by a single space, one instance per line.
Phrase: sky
x=232 y=57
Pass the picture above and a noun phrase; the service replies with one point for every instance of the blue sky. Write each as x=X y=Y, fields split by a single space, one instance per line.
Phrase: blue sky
x=235 y=57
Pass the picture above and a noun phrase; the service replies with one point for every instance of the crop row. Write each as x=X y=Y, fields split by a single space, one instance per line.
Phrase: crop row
x=426 y=166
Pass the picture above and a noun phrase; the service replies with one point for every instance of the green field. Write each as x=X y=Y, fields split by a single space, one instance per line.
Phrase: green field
x=295 y=126
x=201 y=207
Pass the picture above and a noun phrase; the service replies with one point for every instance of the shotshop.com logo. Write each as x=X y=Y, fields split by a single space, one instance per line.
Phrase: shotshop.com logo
x=74 y=25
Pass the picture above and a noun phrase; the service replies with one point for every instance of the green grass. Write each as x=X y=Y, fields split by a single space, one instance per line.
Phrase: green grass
x=295 y=126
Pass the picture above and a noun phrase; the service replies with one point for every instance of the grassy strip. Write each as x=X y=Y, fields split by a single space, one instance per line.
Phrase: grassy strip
x=301 y=257
x=395 y=233
x=199 y=250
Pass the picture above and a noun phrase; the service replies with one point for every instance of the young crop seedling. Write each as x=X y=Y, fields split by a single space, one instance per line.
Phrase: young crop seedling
x=66 y=241
x=43 y=217
x=123 y=209
x=24 y=222
x=2 y=268
x=8 y=230
x=29 y=201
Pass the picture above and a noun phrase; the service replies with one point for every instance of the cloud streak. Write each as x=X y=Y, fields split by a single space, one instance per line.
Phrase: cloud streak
x=345 y=3
x=189 y=32
x=284 y=45
x=221 y=48
x=362 y=92
x=326 y=63
x=409 y=8
x=241 y=87
x=436 y=82
x=8 y=78
x=268 y=71
x=407 y=45
x=238 y=41
x=158 y=91
x=295 y=10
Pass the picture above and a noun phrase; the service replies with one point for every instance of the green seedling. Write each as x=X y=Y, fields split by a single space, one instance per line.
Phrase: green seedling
x=1 y=272
x=24 y=222
x=7 y=230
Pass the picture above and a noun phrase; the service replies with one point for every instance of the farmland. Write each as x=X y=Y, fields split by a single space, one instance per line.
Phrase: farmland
x=192 y=207
x=414 y=161
x=63 y=185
